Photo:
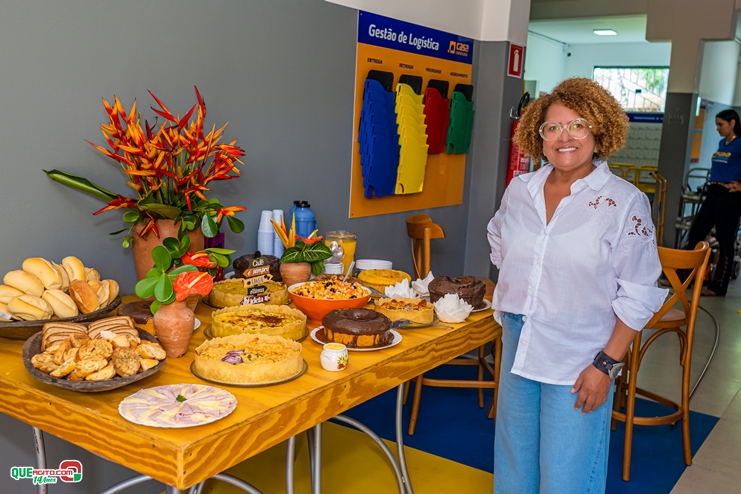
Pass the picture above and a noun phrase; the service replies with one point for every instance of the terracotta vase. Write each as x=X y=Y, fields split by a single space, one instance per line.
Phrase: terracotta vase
x=173 y=325
x=142 y=247
x=295 y=272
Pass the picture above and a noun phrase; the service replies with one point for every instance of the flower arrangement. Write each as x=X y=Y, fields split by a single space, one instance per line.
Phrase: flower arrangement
x=178 y=273
x=309 y=249
x=169 y=168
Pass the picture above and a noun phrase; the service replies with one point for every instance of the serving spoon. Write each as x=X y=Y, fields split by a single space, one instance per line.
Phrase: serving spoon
x=349 y=270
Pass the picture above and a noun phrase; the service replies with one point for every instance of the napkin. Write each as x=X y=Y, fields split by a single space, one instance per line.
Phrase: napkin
x=401 y=289
x=452 y=308
x=420 y=286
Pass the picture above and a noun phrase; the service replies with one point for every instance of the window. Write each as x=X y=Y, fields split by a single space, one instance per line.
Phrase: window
x=636 y=88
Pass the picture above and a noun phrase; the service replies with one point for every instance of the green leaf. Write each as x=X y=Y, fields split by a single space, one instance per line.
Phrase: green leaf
x=126 y=242
x=185 y=268
x=292 y=255
x=209 y=226
x=317 y=267
x=222 y=261
x=217 y=250
x=316 y=252
x=162 y=258
x=236 y=225
x=172 y=245
x=145 y=288
x=119 y=231
x=154 y=273
x=156 y=305
x=80 y=183
x=131 y=216
x=185 y=243
x=180 y=398
x=169 y=212
x=163 y=289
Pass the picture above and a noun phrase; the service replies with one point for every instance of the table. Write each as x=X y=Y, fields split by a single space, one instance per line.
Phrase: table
x=264 y=417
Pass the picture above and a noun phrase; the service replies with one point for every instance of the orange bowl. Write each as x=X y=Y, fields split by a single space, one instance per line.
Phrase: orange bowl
x=315 y=308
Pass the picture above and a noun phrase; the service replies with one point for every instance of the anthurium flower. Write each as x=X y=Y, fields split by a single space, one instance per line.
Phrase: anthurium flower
x=199 y=260
x=192 y=282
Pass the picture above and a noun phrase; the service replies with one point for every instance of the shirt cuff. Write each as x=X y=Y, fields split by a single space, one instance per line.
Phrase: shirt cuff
x=636 y=304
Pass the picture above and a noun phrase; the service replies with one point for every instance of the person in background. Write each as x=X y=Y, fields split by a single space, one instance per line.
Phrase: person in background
x=578 y=265
x=722 y=206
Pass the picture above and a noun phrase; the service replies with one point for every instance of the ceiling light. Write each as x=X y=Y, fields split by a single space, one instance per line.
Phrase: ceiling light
x=605 y=32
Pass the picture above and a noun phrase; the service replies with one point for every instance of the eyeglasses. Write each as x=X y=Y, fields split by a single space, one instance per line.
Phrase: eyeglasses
x=577 y=129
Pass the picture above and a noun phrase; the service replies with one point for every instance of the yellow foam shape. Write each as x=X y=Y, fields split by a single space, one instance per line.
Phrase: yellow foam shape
x=406 y=90
x=410 y=176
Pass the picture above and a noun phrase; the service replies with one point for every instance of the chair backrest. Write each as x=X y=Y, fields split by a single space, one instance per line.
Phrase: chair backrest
x=421 y=229
x=672 y=260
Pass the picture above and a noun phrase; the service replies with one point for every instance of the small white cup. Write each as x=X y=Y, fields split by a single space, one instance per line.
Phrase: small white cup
x=265 y=243
x=265 y=224
x=334 y=357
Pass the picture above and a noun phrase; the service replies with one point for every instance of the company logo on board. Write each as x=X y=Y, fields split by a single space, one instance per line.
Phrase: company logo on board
x=457 y=48
x=68 y=471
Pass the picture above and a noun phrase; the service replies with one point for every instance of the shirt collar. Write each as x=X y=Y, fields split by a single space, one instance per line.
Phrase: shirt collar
x=595 y=180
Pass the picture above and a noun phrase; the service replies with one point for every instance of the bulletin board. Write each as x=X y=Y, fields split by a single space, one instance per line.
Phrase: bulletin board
x=416 y=55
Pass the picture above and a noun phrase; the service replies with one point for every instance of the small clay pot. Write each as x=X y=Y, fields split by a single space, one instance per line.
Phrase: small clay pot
x=174 y=324
x=295 y=272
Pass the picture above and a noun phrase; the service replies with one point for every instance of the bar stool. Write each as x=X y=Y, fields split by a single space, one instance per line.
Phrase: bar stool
x=421 y=230
x=666 y=320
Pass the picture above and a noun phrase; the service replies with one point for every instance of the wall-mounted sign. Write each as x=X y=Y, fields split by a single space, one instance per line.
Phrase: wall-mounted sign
x=516 y=61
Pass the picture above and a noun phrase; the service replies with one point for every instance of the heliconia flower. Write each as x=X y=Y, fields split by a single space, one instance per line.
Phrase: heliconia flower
x=199 y=260
x=228 y=212
x=120 y=202
x=192 y=282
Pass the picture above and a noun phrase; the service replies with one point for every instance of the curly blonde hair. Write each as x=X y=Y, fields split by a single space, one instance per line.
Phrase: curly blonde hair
x=588 y=99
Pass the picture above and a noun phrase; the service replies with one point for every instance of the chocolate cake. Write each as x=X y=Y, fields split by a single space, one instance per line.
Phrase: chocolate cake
x=141 y=313
x=358 y=328
x=241 y=264
x=469 y=288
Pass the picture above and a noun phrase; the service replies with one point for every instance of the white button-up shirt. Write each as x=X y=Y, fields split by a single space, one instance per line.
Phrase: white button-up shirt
x=570 y=278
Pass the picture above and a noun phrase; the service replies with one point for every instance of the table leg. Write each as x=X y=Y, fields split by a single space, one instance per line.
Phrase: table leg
x=290 y=461
x=400 y=438
x=316 y=473
x=38 y=438
x=224 y=477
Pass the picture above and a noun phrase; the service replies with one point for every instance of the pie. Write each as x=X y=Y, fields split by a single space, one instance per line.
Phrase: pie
x=381 y=278
x=230 y=293
x=249 y=359
x=274 y=320
x=413 y=309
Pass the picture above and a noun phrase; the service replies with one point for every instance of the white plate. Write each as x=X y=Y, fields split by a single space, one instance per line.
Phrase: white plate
x=394 y=342
x=487 y=305
x=198 y=324
x=227 y=403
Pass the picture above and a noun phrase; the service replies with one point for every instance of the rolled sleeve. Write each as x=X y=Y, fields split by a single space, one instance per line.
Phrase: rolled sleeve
x=636 y=304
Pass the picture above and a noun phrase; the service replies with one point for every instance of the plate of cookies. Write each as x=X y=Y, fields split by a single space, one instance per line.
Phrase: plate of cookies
x=102 y=355
x=43 y=291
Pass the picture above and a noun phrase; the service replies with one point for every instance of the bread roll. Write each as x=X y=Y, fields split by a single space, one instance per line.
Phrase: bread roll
x=61 y=303
x=8 y=292
x=75 y=269
x=25 y=282
x=44 y=271
x=113 y=289
x=84 y=296
x=91 y=274
x=63 y=274
x=29 y=308
x=103 y=292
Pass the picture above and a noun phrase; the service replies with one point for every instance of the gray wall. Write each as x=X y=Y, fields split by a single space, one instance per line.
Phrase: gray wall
x=281 y=72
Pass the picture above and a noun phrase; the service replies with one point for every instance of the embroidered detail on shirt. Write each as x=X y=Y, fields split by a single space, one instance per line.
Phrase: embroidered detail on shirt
x=645 y=231
x=595 y=204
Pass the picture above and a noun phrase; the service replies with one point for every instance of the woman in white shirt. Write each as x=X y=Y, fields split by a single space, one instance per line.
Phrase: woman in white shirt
x=578 y=264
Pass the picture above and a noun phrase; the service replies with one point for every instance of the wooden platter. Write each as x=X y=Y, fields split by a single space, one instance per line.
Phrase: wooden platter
x=23 y=330
x=33 y=347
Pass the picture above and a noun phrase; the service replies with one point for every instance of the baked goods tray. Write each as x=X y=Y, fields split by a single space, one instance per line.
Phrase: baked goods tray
x=33 y=347
x=23 y=330
x=249 y=385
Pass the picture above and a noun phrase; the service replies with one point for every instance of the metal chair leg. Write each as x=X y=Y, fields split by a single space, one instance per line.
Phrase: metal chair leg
x=38 y=439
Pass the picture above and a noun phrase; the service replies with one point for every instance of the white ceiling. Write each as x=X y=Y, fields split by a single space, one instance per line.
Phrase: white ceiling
x=630 y=29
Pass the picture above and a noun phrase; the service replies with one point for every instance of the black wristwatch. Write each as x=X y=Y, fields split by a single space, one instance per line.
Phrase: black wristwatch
x=608 y=365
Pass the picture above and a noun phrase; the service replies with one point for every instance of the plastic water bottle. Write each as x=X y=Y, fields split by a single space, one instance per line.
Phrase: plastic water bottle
x=305 y=221
x=289 y=218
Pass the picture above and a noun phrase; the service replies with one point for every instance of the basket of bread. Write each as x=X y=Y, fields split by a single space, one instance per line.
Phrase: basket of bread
x=106 y=354
x=43 y=290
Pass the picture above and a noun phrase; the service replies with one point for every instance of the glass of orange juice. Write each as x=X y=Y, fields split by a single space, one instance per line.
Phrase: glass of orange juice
x=348 y=241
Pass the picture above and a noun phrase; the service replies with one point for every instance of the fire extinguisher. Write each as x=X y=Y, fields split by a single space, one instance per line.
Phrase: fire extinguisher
x=519 y=162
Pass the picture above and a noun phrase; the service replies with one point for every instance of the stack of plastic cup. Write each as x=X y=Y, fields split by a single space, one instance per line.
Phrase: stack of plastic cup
x=265 y=233
x=278 y=248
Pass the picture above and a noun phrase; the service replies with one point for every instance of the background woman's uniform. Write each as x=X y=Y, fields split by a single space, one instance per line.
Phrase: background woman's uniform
x=561 y=286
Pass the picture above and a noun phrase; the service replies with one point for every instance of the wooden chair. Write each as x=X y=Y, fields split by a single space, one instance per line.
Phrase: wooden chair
x=421 y=230
x=666 y=320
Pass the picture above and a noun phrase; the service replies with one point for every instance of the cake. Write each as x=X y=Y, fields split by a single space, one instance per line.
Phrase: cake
x=241 y=264
x=141 y=313
x=468 y=288
x=274 y=320
x=357 y=328
x=249 y=359
x=230 y=293
x=381 y=278
x=412 y=309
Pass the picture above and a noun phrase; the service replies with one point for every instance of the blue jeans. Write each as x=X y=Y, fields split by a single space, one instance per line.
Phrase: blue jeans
x=542 y=445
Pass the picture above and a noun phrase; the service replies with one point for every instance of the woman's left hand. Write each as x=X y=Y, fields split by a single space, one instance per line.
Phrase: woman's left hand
x=593 y=387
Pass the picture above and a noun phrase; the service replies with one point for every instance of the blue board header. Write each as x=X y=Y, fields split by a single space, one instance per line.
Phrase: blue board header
x=391 y=33
x=639 y=117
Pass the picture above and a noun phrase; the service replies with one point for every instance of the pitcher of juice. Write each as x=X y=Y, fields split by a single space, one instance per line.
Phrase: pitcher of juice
x=348 y=241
